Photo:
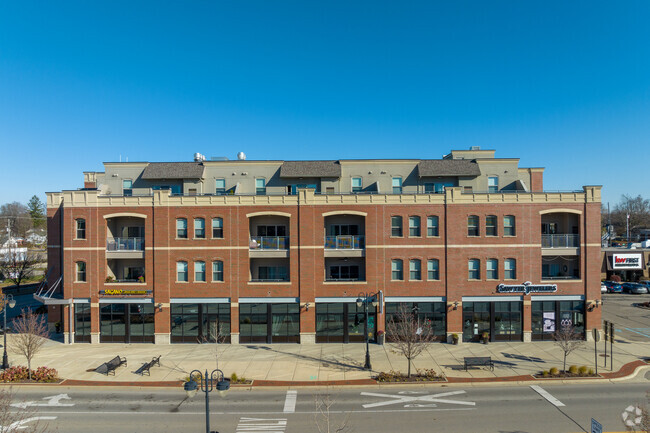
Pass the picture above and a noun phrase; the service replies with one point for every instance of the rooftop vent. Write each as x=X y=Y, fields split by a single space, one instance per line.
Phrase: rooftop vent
x=218 y=158
x=241 y=156
x=475 y=148
x=198 y=157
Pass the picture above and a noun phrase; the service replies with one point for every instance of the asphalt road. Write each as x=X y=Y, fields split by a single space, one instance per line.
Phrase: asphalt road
x=632 y=323
x=520 y=409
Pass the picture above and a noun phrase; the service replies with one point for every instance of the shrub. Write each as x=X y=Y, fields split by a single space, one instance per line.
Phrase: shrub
x=591 y=372
x=20 y=373
x=427 y=374
x=615 y=278
x=573 y=369
x=233 y=378
x=554 y=371
x=583 y=370
x=545 y=373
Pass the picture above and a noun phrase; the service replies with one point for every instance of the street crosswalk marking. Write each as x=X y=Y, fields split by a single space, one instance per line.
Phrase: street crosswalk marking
x=290 y=401
x=416 y=400
x=554 y=401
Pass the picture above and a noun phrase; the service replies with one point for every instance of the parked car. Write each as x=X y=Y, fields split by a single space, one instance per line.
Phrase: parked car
x=603 y=288
x=635 y=288
x=646 y=284
x=613 y=286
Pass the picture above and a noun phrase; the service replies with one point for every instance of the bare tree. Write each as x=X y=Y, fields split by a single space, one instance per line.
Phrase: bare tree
x=18 y=264
x=31 y=335
x=16 y=216
x=408 y=334
x=567 y=340
x=216 y=336
x=15 y=417
x=323 y=416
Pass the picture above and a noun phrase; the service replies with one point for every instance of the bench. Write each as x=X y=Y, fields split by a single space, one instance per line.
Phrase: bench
x=111 y=366
x=479 y=361
x=147 y=366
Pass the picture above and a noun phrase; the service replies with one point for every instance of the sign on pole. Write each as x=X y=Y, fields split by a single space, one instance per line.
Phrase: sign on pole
x=596 y=427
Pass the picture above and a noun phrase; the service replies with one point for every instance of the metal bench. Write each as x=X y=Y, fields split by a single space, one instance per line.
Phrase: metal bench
x=111 y=366
x=479 y=361
x=147 y=366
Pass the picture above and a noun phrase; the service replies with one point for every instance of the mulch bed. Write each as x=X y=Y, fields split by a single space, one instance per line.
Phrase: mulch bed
x=568 y=376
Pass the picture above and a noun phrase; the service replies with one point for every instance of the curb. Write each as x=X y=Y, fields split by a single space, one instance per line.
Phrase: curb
x=626 y=372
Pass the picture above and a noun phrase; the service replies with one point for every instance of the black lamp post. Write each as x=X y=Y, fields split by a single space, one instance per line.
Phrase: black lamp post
x=364 y=299
x=10 y=302
x=207 y=385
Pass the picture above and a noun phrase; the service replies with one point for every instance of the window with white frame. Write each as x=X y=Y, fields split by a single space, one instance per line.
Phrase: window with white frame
x=181 y=228
x=509 y=228
x=396 y=226
x=433 y=269
x=199 y=228
x=181 y=272
x=260 y=186
x=510 y=269
x=474 y=267
x=397 y=185
x=472 y=226
x=432 y=226
x=127 y=187
x=217 y=228
x=199 y=271
x=491 y=226
x=414 y=226
x=357 y=184
x=493 y=184
x=397 y=272
x=220 y=186
x=81 y=272
x=415 y=272
x=81 y=229
x=217 y=270
x=492 y=269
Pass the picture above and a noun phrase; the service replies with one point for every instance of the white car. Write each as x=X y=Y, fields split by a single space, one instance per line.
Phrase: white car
x=603 y=288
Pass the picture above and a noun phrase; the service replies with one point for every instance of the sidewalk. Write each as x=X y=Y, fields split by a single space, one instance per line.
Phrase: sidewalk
x=318 y=362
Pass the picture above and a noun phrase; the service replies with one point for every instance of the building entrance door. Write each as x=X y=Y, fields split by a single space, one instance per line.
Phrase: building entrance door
x=476 y=320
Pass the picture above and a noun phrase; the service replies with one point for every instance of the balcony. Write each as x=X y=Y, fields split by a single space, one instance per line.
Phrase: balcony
x=269 y=246
x=125 y=248
x=345 y=246
x=562 y=244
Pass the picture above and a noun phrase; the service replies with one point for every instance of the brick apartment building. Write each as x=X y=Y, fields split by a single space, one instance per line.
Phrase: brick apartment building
x=279 y=251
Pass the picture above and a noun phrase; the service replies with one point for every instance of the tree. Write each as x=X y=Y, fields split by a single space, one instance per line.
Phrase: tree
x=36 y=212
x=218 y=337
x=323 y=416
x=17 y=417
x=31 y=334
x=408 y=334
x=639 y=210
x=18 y=264
x=17 y=216
x=567 y=340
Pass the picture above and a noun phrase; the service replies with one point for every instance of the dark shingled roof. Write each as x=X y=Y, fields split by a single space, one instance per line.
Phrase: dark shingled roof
x=448 y=167
x=310 y=169
x=173 y=170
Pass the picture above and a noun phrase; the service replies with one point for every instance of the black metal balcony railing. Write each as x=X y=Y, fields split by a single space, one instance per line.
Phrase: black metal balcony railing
x=125 y=244
x=125 y=280
x=269 y=280
x=560 y=241
x=344 y=242
x=344 y=279
x=269 y=242
x=559 y=277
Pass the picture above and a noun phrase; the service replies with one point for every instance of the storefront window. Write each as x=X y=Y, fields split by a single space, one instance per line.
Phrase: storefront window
x=82 y=323
x=343 y=322
x=433 y=313
x=200 y=323
x=549 y=316
x=269 y=323
x=507 y=320
x=126 y=323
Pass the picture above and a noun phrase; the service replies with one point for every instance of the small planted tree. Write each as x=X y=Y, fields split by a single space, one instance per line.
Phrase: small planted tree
x=31 y=334
x=408 y=335
x=568 y=341
x=323 y=417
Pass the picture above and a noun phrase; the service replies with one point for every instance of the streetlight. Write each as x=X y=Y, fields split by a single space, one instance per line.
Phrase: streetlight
x=364 y=301
x=207 y=386
x=11 y=303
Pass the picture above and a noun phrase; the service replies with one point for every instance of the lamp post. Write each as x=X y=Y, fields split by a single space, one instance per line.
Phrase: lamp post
x=10 y=302
x=207 y=386
x=364 y=299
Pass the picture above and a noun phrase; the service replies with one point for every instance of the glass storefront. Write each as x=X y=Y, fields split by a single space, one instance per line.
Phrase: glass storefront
x=343 y=322
x=269 y=323
x=200 y=323
x=82 y=323
x=502 y=320
x=126 y=323
x=433 y=313
x=549 y=316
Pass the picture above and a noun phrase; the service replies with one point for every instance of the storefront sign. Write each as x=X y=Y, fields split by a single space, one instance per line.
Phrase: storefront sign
x=122 y=292
x=627 y=261
x=526 y=288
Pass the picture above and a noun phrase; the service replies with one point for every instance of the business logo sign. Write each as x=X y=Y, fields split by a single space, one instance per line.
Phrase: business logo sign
x=526 y=288
x=627 y=261
x=122 y=292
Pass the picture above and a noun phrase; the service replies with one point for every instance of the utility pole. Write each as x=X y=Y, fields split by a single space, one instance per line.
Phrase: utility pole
x=628 y=227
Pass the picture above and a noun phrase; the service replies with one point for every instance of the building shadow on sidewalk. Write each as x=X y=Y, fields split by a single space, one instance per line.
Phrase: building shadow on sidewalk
x=339 y=363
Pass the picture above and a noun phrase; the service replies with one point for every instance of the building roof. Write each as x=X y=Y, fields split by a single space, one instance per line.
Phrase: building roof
x=310 y=169
x=448 y=167
x=173 y=170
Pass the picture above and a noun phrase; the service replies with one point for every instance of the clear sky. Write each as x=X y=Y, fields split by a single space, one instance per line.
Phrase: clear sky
x=560 y=84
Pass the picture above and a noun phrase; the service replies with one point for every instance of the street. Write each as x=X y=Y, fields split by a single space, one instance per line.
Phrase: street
x=545 y=407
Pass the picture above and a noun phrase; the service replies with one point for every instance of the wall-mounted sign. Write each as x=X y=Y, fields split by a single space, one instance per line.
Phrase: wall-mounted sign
x=526 y=288
x=122 y=292
x=627 y=261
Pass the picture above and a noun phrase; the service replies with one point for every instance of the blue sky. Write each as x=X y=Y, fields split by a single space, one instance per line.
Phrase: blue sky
x=562 y=85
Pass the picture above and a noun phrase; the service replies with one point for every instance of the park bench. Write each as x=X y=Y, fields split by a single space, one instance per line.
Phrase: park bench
x=111 y=366
x=147 y=366
x=479 y=361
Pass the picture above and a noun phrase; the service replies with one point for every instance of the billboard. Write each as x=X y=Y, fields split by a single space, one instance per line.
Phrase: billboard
x=627 y=261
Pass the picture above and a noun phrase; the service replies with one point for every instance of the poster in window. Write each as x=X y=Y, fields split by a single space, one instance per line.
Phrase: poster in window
x=549 y=322
x=565 y=319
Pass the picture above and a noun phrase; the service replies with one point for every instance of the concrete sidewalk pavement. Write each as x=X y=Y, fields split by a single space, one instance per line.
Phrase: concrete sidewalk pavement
x=317 y=362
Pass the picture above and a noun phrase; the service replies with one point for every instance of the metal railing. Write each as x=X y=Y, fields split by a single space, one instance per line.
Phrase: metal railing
x=560 y=241
x=269 y=243
x=344 y=242
x=344 y=279
x=125 y=244
x=269 y=280
x=559 y=277
x=125 y=280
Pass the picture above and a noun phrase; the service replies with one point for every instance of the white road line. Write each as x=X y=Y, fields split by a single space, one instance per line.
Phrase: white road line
x=290 y=401
x=554 y=401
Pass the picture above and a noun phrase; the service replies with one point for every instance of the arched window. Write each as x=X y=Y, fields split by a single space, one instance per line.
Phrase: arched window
x=415 y=272
x=472 y=226
x=510 y=269
x=217 y=270
x=199 y=272
x=181 y=272
x=181 y=228
x=433 y=269
x=81 y=229
x=81 y=272
x=492 y=269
